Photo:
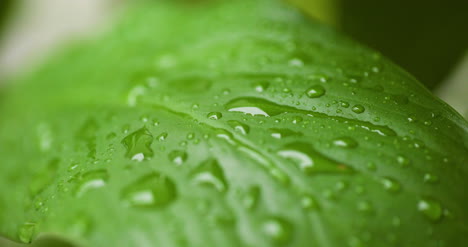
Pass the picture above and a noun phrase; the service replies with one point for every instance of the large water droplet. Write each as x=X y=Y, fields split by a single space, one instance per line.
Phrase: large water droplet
x=26 y=232
x=358 y=109
x=155 y=190
x=138 y=144
x=430 y=208
x=277 y=230
x=92 y=180
x=315 y=91
x=239 y=127
x=311 y=161
x=209 y=173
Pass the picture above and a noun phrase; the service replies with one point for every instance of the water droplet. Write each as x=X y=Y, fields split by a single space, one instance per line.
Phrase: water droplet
x=358 y=109
x=345 y=142
x=390 y=184
x=209 y=173
x=138 y=144
x=278 y=230
x=214 y=115
x=296 y=62
x=261 y=86
x=162 y=136
x=282 y=133
x=155 y=190
x=251 y=197
x=402 y=160
x=430 y=208
x=431 y=178
x=26 y=232
x=309 y=160
x=91 y=180
x=308 y=202
x=178 y=157
x=344 y=104
x=190 y=136
x=364 y=207
x=134 y=94
x=239 y=127
x=315 y=91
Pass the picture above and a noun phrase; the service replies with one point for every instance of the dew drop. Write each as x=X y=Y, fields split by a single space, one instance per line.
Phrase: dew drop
x=345 y=142
x=309 y=160
x=214 y=115
x=251 y=197
x=283 y=133
x=162 y=137
x=155 y=190
x=138 y=144
x=209 y=173
x=91 y=180
x=239 y=127
x=261 y=86
x=277 y=230
x=178 y=157
x=402 y=160
x=308 y=202
x=430 y=208
x=390 y=184
x=358 y=109
x=431 y=178
x=315 y=91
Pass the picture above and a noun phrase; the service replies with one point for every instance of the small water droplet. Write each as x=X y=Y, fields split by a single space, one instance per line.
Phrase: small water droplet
x=402 y=160
x=215 y=115
x=431 y=178
x=138 y=144
x=308 y=202
x=390 y=184
x=155 y=190
x=430 y=208
x=283 y=133
x=345 y=142
x=209 y=173
x=315 y=91
x=162 y=137
x=251 y=197
x=277 y=229
x=358 y=109
x=178 y=157
x=364 y=207
x=261 y=86
x=296 y=62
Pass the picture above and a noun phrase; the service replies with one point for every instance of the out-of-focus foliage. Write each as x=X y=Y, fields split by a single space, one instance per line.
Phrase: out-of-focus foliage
x=426 y=37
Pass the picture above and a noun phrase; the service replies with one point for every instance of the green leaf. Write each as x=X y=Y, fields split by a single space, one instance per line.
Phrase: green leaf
x=239 y=123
